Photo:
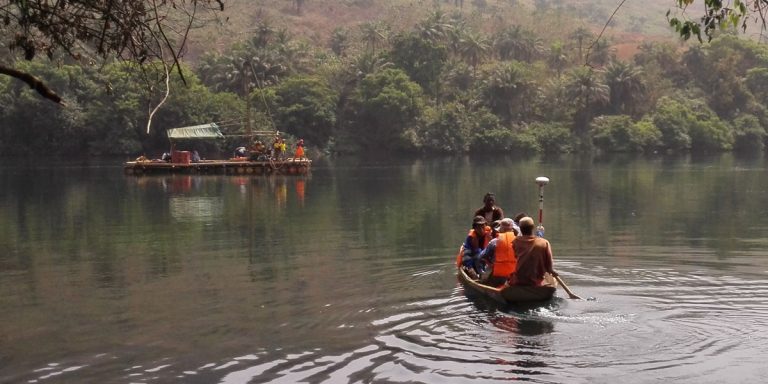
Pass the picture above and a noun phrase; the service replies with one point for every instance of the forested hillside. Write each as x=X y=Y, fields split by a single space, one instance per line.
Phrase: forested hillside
x=417 y=76
x=315 y=20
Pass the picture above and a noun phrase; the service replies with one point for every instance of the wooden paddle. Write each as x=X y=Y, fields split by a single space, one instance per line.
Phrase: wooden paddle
x=542 y=181
x=566 y=289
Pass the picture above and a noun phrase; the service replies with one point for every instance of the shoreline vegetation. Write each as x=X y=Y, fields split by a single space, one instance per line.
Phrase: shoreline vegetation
x=454 y=81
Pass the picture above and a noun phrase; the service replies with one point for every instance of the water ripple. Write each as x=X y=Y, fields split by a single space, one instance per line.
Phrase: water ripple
x=673 y=326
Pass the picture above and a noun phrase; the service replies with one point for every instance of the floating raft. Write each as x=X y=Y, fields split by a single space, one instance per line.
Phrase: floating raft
x=289 y=166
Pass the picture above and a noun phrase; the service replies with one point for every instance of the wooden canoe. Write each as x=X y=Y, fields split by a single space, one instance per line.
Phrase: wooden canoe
x=509 y=294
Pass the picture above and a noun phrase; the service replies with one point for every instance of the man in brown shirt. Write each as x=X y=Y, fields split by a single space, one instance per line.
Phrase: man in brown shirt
x=489 y=210
x=534 y=256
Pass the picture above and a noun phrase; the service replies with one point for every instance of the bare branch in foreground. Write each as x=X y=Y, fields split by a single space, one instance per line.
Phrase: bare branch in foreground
x=34 y=83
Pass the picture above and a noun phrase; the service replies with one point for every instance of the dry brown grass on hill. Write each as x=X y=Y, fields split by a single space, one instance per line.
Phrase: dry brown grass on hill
x=319 y=18
x=629 y=44
x=316 y=22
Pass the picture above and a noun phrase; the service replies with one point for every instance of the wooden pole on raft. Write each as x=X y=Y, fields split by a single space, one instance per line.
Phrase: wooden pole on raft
x=542 y=181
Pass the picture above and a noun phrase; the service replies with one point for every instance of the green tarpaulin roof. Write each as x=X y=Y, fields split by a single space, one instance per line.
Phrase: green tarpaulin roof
x=204 y=131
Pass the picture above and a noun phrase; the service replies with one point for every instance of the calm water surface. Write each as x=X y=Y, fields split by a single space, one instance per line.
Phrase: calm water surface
x=346 y=275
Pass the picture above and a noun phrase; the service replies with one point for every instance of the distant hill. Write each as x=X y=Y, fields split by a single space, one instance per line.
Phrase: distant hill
x=315 y=20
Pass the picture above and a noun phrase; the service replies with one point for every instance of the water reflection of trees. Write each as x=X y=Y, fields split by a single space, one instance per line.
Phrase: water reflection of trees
x=304 y=240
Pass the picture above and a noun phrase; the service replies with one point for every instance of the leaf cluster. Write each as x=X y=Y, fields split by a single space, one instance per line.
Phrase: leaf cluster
x=717 y=15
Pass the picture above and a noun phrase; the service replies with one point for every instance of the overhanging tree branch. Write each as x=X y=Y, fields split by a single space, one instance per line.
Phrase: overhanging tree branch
x=33 y=82
x=132 y=30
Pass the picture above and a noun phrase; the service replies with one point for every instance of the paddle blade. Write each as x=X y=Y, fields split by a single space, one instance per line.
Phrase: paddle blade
x=567 y=290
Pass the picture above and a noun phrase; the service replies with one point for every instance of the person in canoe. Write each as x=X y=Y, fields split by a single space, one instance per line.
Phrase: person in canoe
x=516 y=221
x=489 y=210
x=499 y=256
x=534 y=256
x=477 y=239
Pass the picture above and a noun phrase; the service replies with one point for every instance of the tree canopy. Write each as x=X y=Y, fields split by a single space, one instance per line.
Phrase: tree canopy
x=446 y=82
x=93 y=30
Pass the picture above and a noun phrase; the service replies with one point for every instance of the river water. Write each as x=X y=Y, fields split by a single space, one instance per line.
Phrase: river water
x=346 y=275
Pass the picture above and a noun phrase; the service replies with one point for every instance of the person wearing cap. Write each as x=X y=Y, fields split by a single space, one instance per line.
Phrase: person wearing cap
x=489 y=210
x=477 y=239
x=499 y=255
x=511 y=225
x=534 y=256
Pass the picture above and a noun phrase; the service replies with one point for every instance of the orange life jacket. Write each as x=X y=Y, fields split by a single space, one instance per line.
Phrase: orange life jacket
x=506 y=261
x=486 y=237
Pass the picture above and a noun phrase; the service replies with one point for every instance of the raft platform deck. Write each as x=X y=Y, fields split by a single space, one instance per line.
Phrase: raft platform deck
x=289 y=166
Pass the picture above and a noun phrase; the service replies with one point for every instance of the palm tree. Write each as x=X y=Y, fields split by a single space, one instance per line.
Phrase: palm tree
x=587 y=92
x=266 y=73
x=532 y=47
x=365 y=64
x=557 y=59
x=295 y=56
x=435 y=27
x=457 y=28
x=508 y=91
x=581 y=35
x=474 y=47
x=626 y=85
x=518 y=44
x=339 y=41
x=240 y=73
x=600 y=53
x=373 y=35
x=282 y=37
x=209 y=70
x=283 y=49
x=459 y=77
x=262 y=34
x=585 y=88
x=225 y=73
x=554 y=105
x=509 y=42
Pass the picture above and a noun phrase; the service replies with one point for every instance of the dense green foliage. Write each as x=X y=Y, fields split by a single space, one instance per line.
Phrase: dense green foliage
x=306 y=107
x=442 y=86
x=385 y=107
x=106 y=112
x=618 y=133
